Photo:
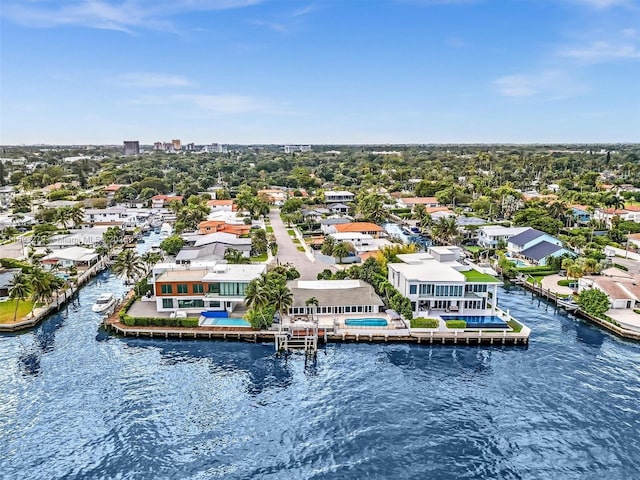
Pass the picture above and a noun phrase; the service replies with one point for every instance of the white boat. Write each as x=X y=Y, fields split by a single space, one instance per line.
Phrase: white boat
x=165 y=230
x=104 y=302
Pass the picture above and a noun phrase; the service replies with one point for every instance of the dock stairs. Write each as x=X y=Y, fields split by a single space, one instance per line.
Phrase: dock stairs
x=298 y=337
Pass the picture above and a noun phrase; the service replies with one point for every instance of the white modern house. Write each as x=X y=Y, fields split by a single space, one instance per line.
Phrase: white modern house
x=361 y=242
x=438 y=283
x=490 y=236
x=213 y=245
x=202 y=286
x=78 y=257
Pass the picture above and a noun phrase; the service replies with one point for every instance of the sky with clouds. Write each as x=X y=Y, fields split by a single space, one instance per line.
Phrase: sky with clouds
x=330 y=71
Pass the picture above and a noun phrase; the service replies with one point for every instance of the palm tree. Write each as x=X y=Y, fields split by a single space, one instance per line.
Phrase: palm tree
x=234 y=256
x=19 y=289
x=42 y=286
x=76 y=215
x=150 y=259
x=129 y=265
x=257 y=292
x=341 y=250
x=281 y=298
x=312 y=301
x=64 y=216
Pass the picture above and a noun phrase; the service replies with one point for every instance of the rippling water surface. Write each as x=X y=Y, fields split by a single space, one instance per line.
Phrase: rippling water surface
x=76 y=403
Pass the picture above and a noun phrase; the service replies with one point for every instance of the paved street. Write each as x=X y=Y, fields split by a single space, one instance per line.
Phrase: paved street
x=289 y=253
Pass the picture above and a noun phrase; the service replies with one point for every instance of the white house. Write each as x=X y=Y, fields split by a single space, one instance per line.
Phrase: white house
x=490 y=236
x=631 y=214
x=338 y=196
x=78 y=257
x=361 y=242
x=438 y=283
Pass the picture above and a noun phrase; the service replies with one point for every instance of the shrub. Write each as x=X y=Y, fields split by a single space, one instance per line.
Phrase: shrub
x=566 y=282
x=594 y=302
x=621 y=267
x=129 y=321
x=422 y=322
x=456 y=324
x=189 y=322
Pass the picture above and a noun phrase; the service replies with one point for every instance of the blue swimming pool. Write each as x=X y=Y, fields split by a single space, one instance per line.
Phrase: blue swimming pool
x=365 y=322
x=478 y=321
x=227 y=322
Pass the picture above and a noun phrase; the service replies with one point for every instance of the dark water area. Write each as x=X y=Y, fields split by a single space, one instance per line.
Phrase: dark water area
x=76 y=403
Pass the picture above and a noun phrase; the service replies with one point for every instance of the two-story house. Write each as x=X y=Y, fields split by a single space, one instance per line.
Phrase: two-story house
x=535 y=246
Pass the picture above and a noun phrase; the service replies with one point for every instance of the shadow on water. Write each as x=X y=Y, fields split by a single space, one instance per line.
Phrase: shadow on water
x=264 y=369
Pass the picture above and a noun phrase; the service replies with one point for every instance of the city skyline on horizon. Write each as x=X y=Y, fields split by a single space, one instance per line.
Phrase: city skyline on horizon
x=253 y=72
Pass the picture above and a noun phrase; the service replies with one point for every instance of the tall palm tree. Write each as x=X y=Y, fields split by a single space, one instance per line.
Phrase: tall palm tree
x=281 y=298
x=150 y=259
x=42 y=286
x=257 y=293
x=129 y=265
x=64 y=216
x=76 y=215
x=19 y=289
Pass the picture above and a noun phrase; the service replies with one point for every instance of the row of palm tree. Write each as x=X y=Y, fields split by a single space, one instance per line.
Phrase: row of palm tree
x=269 y=289
x=38 y=285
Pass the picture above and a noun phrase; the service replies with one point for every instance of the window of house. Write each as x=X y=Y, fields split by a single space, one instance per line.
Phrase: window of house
x=166 y=288
x=413 y=289
x=183 y=288
x=198 y=288
x=167 y=303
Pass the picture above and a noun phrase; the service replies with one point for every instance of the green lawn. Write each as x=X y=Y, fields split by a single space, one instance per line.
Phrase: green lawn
x=472 y=249
x=260 y=258
x=291 y=232
x=422 y=322
x=300 y=248
x=537 y=279
x=476 y=276
x=296 y=241
x=515 y=326
x=7 y=308
x=269 y=229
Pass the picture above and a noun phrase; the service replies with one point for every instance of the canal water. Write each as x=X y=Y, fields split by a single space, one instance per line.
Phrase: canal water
x=76 y=403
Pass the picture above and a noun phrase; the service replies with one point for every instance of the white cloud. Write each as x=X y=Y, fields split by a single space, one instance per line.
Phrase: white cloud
x=150 y=80
x=545 y=85
x=602 y=51
x=123 y=15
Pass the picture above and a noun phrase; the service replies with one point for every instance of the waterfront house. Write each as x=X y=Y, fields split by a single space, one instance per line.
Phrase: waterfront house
x=623 y=292
x=535 y=247
x=202 y=286
x=491 y=236
x=437 y=282
x=87 y=237
x=79 y=257
x=334 y=297
x=6 y=277
x=362 y=242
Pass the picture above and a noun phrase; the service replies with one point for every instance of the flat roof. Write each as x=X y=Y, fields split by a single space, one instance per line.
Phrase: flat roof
x=192 y=275
x=431 y=271
x=240 y=273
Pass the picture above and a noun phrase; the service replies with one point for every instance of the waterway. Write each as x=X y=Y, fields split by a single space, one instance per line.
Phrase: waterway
x=76 y=403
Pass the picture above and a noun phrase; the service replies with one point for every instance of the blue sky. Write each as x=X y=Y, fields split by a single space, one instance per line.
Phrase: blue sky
x=352 y=71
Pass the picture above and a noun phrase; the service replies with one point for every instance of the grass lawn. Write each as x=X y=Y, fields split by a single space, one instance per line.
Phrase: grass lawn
x=296 y=241
x=473 y=249
x=515 y=326
x=476 y=276
x=422 y=322
x=7 y=308
x=291 y=232
x=300 y=248
x=260 y=258
x=269 y=229
x=535 y=279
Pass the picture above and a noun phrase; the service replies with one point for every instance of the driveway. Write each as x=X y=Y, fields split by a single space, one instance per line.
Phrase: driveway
x=288 y=251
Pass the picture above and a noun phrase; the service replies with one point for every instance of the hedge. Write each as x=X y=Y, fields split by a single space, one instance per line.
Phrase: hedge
x=422 y=322
x=456 y=324
x=542 y=268
x=159 y=322
x=621 y=267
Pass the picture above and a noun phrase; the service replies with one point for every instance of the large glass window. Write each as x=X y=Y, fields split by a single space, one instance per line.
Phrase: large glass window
x=167 y=303
x=214 y=288
x=413 y=289
x=190 y=304
x=166 y=288
x=183 y=288
x=198 y=288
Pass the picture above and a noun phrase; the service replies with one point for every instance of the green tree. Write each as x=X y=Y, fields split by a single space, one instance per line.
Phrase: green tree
x=129 y=265
x=19 y=290
x=172 y=244
x=341 y=250
x=595 y=302
x=234 y=256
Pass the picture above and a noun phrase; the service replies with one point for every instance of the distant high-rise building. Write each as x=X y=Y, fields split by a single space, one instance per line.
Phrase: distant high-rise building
x=297 y=148
x=215 y=148
x=158 y=146
x=131 y=147
x=176 y=144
